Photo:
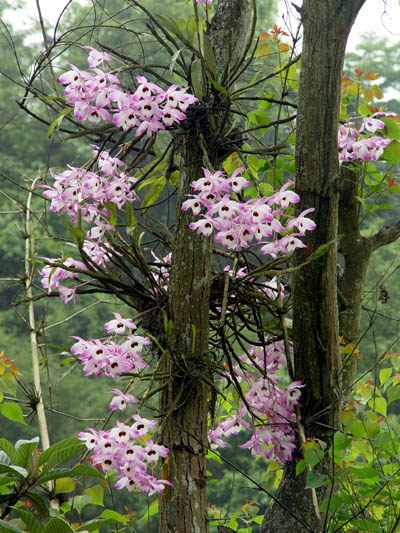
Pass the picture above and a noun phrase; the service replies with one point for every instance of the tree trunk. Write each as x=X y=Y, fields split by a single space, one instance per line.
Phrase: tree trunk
x=184 y=403
x=317 y=360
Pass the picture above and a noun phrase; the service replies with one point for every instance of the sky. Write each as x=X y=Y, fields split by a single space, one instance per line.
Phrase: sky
x=378 y=16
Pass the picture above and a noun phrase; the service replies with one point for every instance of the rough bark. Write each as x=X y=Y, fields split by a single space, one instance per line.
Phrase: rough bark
x=315 y=315
x=184 y=403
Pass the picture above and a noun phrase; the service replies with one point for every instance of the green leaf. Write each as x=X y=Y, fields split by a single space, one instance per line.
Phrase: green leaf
x=96 y=493
x=131 y=223
x=213 y=456
x=97 y=523
x=169 y=25
x=392 y=128
x=379 y=405
x=7 y=447
x=8 y=385
x=301 y=466
x=372 y=429
x=323 y=248
x=384 y=375
x=112 y=209
x=341 y=442
x=77 y=471
x=393 y=393
x=57 y=525
x=196 y=75
x=33 y=525
x=363 y=110
x=57 y=121
x=5 y=527
x=53 y=99
x=259 y=118
x=313 y=456
x=108 y=513
x=152 y=510
x=153 y=193
x=17 y=470
x=208 y=54
x=79 y=502
x=391 y=153
x=59 y=446
x=314 y=481
x=39 y=505
x=64 y=485
x=358 y=429
x=25 y=449
x=12 y=411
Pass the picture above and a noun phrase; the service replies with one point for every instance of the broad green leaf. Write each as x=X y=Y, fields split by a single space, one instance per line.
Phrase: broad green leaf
x=39 y=504
x=79 y=502
x=9 y=449
x=33 y=525
x=364 y=472
x=372 y=429
x=108 y=513
x=392 y=127
x=315 y=481
x=96 y=493
x=77 y=471
x=152 y=510
x=196 y=75
x=8 y=385
x=358 y=429
x=384 y=375
x=259 y=118
x=12 y=411
x=379 y=405
x=57 y=121
x=25 y=449
x=5 y=527
x=391 y=153
x=17 y=470
x=63 y=485
x=341 y=442
x=393 y=393
x=153 y=193
x=57 y=525
x=301 y=466
x=53 y=450
x=313 y=456
x=363 y=110
x=208 y=54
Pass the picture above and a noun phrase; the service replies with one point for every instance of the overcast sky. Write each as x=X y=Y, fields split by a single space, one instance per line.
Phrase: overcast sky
x=378 y=16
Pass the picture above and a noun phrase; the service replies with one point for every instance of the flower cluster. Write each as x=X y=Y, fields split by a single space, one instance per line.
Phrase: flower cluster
x=270 y=410
x=83 y=194
x=237 y=224
x=117 y=450
x=97 y=96
x=361 y=144
x=109 y=357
